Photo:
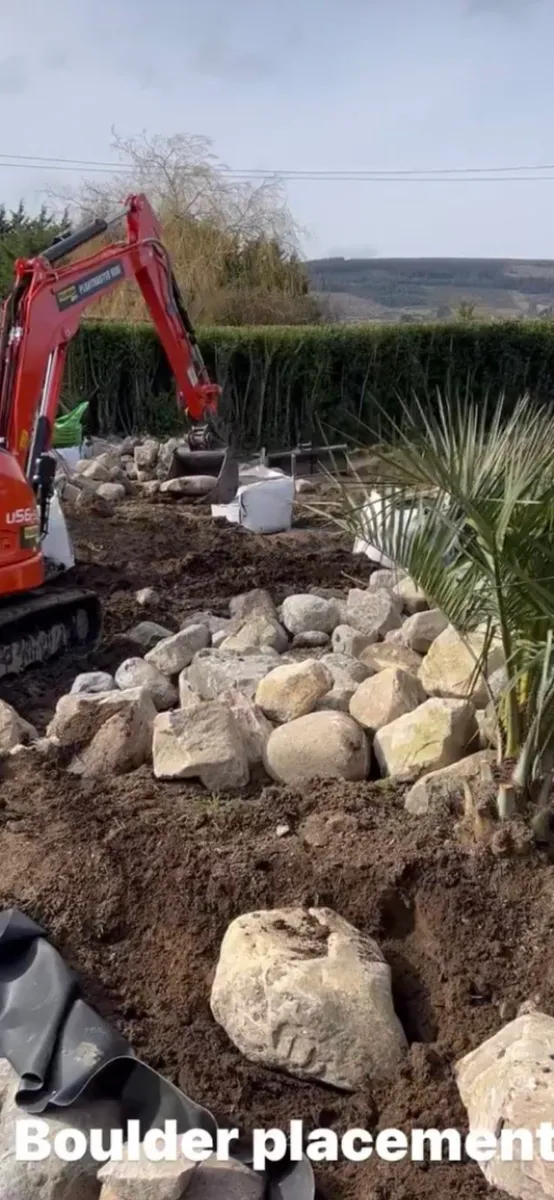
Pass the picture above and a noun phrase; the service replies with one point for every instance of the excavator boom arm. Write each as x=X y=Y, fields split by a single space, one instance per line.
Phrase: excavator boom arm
x=44 y=311
x=38 y=620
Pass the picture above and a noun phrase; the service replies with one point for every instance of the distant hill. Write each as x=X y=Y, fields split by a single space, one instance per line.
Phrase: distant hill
x=396 y=289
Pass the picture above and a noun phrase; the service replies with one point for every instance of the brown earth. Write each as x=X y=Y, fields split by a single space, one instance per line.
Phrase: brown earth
x=136 y=882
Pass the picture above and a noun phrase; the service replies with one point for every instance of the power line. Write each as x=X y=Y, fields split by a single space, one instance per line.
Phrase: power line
x=504 y=174
x=113 y=166
x=307 y=176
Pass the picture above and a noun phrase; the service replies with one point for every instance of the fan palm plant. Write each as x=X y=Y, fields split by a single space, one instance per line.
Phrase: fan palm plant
x=463 y=501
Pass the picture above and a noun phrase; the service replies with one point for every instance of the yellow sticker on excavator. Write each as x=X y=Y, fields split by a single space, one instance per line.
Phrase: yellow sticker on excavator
x=24 y=440
x=29 y=537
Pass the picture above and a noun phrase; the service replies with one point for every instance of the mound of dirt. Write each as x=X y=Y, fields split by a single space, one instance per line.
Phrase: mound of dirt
x=136 y=883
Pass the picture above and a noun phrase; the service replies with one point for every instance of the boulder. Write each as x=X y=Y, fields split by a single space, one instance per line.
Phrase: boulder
x=112 y=492
x=329 y=593
x=188 y=698
x=257 y=633
x=507 y=1084
x=127 y=445
x=292 y=690
x=137 y=673
x=311 y=639
x=384 y=697
x=337 y=700
x=105 y=451
x=122 y=744
x=303 y=991
x=93 y=469
x=225 y=625
x=50 y=1178
x=345 y=670
x=97 y=506
x=212 y=1179
x=92 y=682
x=254 y=726
x=373 y=612
x=215 y=671
x=252 y=604
x=383 y=578
x=420 y=631
x=77 y=718
x=412 y=599
x=447 y=783
x=203 y=743
x=322 y=745
x=225 y=1179
x=143 y=1179
x=147 y=596
x=68 y=492
x=147 y=634
x=9 y=1081
x=306 y=612
x=14 y=730
x=81 y=466
x=346 y=640
x=347 y=673
x=173 y=654
x=165 y=455
x=386 y=654
x=117 y=475
x=498 y=682
x=188 y=485
x=487 y=723
x=449 y=667
x=146 y=454
x=434 y=735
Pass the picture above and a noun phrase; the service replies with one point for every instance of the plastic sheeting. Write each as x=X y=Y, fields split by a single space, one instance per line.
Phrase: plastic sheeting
x=376 y=517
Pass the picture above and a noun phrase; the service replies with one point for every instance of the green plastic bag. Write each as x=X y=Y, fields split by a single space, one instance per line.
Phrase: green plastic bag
x=67 y=428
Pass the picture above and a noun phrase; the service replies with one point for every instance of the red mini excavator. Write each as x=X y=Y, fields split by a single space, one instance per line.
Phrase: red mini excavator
x=39 y=619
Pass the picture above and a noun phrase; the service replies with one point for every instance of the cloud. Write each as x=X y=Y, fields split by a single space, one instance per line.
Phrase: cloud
x=13 y=76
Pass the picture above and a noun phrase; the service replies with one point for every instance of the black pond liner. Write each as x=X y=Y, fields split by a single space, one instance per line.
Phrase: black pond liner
x=64 y=1052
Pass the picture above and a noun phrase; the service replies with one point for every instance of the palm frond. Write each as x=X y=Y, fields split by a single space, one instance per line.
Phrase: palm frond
x=463 y=501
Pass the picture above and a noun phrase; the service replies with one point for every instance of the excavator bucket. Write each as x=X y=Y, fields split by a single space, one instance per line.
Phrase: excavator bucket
x=220 y=466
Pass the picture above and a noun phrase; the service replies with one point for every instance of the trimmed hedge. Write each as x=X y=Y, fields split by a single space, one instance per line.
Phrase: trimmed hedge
x=284 y=385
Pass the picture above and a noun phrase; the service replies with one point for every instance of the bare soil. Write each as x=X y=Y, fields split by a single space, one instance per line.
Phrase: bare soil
x=137 y=882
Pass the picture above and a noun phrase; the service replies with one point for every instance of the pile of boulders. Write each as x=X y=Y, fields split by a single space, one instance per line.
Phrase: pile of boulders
x=350 y=685
x=335 y=685
x=118 y=470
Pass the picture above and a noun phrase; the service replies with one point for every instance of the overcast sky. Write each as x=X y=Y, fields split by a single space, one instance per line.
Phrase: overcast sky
x=305 y=84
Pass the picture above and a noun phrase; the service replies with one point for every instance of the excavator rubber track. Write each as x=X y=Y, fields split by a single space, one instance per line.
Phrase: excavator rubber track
x=41 y=627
